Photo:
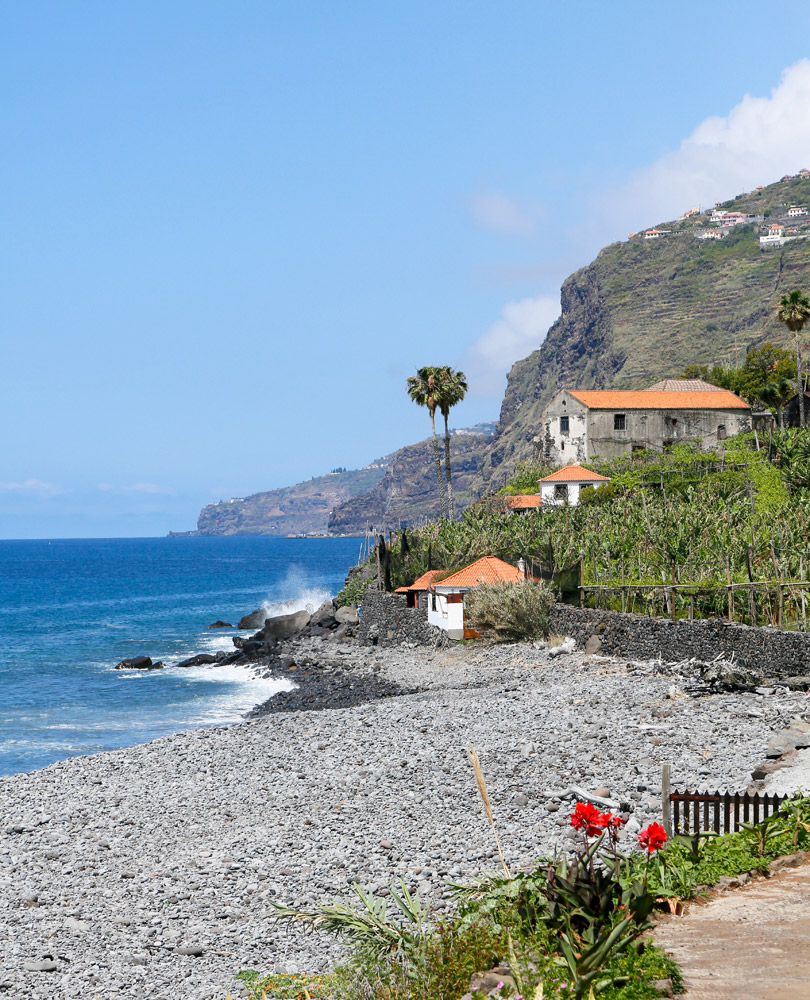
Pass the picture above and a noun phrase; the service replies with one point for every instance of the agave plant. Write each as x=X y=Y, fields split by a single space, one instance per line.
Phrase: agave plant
x=367 y=926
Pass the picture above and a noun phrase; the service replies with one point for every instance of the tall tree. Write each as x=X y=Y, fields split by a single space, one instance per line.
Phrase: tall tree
x=451 y=389
x=422 y=390
x=794 y=312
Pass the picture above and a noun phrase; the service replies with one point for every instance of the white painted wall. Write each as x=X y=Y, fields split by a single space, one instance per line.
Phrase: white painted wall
x=450 y=617
x=548 y=491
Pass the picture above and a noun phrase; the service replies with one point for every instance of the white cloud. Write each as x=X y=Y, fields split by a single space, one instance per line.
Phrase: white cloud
x=520 y=330
x=150 y=488
x=758 y=141
x=35 y=486
x=498 y=213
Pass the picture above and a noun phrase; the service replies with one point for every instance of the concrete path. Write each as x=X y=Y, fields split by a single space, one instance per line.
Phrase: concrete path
x=751 y=943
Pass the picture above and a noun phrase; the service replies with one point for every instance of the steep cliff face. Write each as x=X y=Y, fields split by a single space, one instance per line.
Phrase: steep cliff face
x=408 y=491
x=644 y=309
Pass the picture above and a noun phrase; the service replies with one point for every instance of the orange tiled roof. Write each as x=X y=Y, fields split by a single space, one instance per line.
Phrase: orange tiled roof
x=422 y=582
x=488 y=569
x=524 y=500
x=654 y=399
x=574 y=473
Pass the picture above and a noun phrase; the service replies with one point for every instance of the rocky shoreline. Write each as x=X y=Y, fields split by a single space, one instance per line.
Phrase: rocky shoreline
x=148 y=871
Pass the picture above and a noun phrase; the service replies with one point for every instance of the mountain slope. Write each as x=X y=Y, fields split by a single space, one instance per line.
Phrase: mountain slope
x=646 y=308
x=408 y=491
x=291 y=510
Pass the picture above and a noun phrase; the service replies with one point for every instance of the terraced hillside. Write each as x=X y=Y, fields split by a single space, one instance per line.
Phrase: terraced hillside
x=645 y=308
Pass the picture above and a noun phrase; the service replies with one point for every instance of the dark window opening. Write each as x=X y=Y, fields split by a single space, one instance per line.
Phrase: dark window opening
x=668 y=445
x=671 y=423
x=564 y=425
x=560 y=492
x=721 y=432
x=619 y=422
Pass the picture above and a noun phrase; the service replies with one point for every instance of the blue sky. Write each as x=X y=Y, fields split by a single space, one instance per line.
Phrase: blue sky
x=231 y=230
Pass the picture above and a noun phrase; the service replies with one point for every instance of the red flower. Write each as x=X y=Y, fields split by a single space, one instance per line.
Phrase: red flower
x=611 y=820
x=588 y=818
x=653 y=837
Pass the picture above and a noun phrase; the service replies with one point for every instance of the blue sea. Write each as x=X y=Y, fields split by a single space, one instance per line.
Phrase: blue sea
x=70 y=609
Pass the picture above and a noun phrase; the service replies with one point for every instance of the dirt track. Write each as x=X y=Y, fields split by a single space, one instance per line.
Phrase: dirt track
x=751 y=943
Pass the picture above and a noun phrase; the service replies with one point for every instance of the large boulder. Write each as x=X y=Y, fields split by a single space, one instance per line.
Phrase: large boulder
x=324 y=617
x=346 y=616
x=139 y=663
x=219 y=623
x=283 y=626
x=255 y=619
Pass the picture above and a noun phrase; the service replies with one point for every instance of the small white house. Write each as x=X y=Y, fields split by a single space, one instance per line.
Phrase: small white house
x=565 y=485
x=796 y=211
x=446 y=597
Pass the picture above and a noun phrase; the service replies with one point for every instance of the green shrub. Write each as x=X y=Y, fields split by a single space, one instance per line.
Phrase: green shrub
x=509 y=611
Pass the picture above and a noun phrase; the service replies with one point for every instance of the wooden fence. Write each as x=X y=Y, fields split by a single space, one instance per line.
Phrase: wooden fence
x=722 y=812
x=763 y=602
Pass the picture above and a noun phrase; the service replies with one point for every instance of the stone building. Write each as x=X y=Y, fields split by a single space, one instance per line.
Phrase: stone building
x=580 y=424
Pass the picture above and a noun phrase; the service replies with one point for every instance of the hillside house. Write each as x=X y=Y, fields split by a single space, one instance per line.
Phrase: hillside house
x=579 y=424
x=804 y=172
x=655 y=234
x=711 y=234
x=796 y=211
x=787 y=177
x=774 y=237
x=446 y=598
x=565 y=485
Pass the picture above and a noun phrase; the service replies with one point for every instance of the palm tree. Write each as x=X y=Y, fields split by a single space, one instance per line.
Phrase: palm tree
x=452 y=387
x=776 y=394
x=794 y=312
x=422 y=389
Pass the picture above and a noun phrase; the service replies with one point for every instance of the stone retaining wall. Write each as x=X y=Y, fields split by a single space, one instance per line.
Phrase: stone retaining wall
x=774 y=652
x=386 y=620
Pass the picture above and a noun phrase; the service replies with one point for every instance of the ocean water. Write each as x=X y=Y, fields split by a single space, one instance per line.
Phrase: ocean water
x=70 y=609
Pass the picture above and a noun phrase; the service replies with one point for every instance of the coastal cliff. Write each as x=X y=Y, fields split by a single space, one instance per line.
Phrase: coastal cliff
x=647 y=307
x=302 y=509
x=408 y=491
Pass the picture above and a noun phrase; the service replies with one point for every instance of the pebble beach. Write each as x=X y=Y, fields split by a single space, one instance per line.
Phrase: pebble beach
x=147 y=872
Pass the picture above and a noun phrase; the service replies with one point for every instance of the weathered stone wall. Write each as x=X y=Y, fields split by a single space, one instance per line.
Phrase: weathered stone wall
x=772 y=651
x=386 y=620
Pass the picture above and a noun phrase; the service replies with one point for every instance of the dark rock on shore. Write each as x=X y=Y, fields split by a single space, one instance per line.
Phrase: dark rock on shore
x=198 y=660
x=220 y=624
x=255 y=619
x=139 y=663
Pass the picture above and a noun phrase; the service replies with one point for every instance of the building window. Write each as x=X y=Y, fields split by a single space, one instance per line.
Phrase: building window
x=721 y=432
x=561 y=492
x=619 y=422
x=563 y=425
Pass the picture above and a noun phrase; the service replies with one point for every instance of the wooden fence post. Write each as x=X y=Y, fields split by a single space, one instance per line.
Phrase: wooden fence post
x=666 y=804
x=582 y=579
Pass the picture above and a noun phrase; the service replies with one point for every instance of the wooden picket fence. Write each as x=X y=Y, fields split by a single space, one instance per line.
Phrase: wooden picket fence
x=722 y=812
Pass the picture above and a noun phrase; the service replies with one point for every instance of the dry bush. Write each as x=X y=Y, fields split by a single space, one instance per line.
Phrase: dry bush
x=509 y=611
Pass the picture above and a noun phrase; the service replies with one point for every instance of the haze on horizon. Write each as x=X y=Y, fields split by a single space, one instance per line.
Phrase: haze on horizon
x=232 y=232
